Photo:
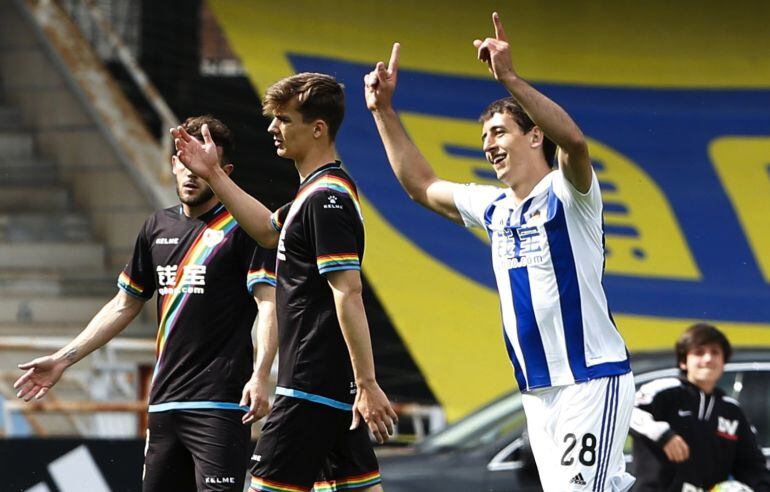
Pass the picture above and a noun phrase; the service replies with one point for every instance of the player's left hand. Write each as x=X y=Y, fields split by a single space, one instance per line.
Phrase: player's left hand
x=202 y=159
x=255 y=396
x=373 y=406
x=495 y=52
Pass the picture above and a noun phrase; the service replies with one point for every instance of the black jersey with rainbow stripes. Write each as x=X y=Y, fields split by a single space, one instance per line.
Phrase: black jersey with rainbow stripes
x=322 y=231
x=204 y=270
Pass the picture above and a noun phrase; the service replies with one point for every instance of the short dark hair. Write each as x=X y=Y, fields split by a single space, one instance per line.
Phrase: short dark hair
x=219 y=133
x=698 y=335
x=319 y=96
x=512 y=107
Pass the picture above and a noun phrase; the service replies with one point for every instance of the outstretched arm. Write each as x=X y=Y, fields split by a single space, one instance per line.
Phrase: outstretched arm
x=255 y=393
x=203 y=160
x=412 y=170
x=42 y=373
x=549 y=116
x=371 y=404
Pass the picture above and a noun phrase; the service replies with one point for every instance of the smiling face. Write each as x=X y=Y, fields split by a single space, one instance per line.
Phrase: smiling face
x=292 y=136
x=704 y=365
x=508 y=149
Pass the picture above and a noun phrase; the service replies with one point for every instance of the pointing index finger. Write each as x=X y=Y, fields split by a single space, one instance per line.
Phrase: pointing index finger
x=499 y=31
x=393 y=63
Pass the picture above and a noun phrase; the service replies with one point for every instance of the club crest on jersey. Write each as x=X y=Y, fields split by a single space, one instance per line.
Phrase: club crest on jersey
x=212 y=237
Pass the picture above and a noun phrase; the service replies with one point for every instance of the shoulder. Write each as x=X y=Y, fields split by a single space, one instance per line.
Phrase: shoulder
x=654 y=389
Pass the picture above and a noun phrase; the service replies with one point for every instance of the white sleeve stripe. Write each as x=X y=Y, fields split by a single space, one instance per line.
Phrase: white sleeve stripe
x=644 y=423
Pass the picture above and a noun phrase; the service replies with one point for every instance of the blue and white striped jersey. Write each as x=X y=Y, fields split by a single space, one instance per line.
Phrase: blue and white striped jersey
x=548 y=258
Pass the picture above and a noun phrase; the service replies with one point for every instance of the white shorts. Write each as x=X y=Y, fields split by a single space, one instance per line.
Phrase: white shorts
x=577 y=434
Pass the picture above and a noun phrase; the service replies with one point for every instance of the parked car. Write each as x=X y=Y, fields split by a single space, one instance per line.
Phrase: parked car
x=488 y=450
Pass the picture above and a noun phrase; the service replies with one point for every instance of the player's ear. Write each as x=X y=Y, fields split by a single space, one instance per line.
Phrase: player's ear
x=536 y=137
x=228 y=168
x=320 y=128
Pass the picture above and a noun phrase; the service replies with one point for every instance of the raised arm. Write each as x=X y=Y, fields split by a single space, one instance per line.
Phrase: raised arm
x=42 y=373
x=549 y=116
x=412 y=170
x=255 y=393
x=371 y=402
x=202 y=159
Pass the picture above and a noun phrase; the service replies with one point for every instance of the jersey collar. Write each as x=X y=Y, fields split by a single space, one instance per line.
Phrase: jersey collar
x=312 y=176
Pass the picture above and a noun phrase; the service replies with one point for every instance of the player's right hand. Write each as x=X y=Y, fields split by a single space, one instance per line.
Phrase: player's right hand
x=373 y=406
x=676 y=449
x=41 y=374
x=255 y=397
x=380 y=83
x=201 y=158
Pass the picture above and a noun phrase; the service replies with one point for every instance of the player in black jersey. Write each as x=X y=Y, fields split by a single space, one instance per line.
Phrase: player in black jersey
x=326 y=368
x=205 y=269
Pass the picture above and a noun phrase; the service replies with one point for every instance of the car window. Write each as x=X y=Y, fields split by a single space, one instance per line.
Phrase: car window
x=753 y=393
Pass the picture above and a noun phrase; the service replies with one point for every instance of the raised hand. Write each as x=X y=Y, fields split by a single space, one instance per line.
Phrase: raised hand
x=42 y=373
x=200 y=158
x=380 y=83
x=373 y=406
x=255 y=397
x=495 y=52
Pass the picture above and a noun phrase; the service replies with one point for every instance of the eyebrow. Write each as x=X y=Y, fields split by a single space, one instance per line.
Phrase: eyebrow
x=494 y=128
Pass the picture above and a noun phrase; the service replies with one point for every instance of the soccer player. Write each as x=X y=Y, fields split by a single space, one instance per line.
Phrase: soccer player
x=688 y=435
x=545 y=229
x=205 y=269
x=326 y=379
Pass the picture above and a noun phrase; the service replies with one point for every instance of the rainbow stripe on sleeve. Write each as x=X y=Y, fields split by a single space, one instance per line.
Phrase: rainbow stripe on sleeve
x=343 y=261
x=128 y=285
x=360 y=481
x=263 y=485
x=199 y=254
x=262 y=275
x=275 y=221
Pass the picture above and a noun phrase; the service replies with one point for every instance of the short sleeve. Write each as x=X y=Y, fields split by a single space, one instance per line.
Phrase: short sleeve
x=278 y=217
x=472 y=201
x=262 y=268
x=138 y=277
x=336 y=229
x=588 y=204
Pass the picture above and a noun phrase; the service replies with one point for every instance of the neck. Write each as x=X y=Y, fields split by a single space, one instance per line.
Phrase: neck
x=196 y=211
x=707 y=388
x=523 y=187
x=314 y=159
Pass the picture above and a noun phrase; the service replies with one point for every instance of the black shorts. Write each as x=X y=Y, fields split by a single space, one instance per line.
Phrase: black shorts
x=203 y=450
x=305 y=443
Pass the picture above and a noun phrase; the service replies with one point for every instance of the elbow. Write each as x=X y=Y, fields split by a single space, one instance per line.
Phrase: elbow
x=575 y=143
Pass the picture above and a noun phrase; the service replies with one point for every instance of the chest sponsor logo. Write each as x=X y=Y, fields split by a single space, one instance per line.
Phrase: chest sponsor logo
x=167 y=240
x=332 y=202
x=727 y=428
x=192 y=279
x=519 y=247
x=212 y=237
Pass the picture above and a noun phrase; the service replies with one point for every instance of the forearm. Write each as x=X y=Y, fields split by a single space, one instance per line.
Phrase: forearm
x=267 y=342
x=545 y=113
x=410 y=167
x=250 y=214
x=355 y=330
x=113 y=318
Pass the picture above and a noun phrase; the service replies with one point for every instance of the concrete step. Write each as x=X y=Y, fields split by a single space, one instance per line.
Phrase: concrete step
x=10 y=117
x=58 y=256
x=35 y=227
x=28 y=171
x=34 y=198
x=53 y=310
x=50 y=283
x=14 y=143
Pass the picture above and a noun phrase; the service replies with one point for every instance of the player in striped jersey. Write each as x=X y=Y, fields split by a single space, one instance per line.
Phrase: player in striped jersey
x=326 y=380
x=207 y=272
x=545 y=230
